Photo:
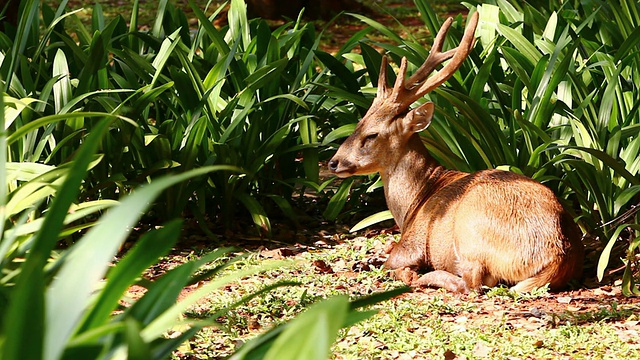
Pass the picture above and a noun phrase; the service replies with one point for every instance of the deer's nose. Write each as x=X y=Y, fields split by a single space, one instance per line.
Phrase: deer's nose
x=333 y=165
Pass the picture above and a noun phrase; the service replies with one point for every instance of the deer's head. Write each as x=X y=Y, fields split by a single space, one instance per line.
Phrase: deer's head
x=382 y=134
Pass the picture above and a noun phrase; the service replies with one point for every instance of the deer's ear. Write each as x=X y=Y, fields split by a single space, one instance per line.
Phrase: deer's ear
x=419 y=118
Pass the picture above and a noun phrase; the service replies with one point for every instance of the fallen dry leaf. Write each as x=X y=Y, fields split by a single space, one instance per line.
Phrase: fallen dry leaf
x=564 y=299
x=482 y=349
x=277 y=254
x=254 y=325
x=449 y=355
x=360 y=266
x=322 y=267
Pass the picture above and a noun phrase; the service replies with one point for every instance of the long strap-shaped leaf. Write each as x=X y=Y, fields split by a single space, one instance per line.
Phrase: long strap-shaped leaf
x=24 y=323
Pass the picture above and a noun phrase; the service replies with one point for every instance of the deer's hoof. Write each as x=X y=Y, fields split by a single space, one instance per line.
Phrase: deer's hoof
x=406 y=275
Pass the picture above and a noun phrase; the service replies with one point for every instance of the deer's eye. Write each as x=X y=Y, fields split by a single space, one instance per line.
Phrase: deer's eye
x=369 y=138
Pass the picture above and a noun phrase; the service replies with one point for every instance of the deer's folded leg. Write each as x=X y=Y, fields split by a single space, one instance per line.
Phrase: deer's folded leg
x=442 y=279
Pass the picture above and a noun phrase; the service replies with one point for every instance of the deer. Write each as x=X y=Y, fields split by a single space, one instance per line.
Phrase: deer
x=459 y=231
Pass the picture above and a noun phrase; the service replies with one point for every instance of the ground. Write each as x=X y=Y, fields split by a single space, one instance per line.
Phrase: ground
x=592 y=321
x=399 y=15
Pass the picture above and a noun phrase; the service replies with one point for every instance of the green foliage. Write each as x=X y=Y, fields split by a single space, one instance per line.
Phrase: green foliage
x=49 y=308
x=213 y=120
x=311 y=334
x=243 y=95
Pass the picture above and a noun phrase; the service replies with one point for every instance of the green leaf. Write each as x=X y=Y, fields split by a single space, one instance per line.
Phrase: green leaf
x=519 y=63
x=603 y=261
x=372 y=220
x=339 y=133
x=258 y=214
x=481 y=79
x=343 y=74
x=161 y=295
x=629 y=282
x=606 y=159
x=338 y=200
x=24 y=324
x=207 y=24
x=291 y=98
x=311 y=334
x=78 y=212
x=378 y=26
x=157 y=25
x=82 y=352
x=373 y=60
x=12 y=112
x=511 y=13
x=45 y=120
x=167 y=48
x=285 y=207
x=6 y=241
x=378 y=297
x=28 y=21
x=136 y=347
x=133 y=24
x=238 y=24
x=266 y=74
x=625 y=196
x=97 y=18
x=97 y=59
x=521 y=43
x=148 y=249
x=164 y=321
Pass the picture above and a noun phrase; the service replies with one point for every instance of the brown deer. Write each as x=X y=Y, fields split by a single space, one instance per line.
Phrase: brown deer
x=466 y=230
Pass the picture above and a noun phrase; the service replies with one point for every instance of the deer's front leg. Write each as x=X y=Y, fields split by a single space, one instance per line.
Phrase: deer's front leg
x=434 y=279
x=441 y=279
x=472 y=275
x=405 y=253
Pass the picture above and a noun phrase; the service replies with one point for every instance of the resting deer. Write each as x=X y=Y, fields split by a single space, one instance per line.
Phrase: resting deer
x=466 y=230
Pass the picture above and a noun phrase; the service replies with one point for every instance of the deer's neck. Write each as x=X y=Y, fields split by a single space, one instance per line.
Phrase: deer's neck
x=412 y=179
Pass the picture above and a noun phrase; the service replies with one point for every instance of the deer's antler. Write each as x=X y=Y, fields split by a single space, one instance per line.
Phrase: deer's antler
x=405 y=92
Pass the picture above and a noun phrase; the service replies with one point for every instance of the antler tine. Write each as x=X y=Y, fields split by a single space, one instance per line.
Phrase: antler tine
x=398 y=91
x=434 y=57
x=383 y=87
x=457 y=56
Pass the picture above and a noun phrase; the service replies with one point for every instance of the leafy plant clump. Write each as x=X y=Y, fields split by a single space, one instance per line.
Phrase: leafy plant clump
x=243 y=95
